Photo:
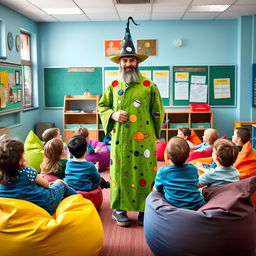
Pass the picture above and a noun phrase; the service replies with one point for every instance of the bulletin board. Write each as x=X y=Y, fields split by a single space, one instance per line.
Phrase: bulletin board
x=186 y=78
x=61 y=81
x=222 y=89
x=11 y=90
x=151 y=72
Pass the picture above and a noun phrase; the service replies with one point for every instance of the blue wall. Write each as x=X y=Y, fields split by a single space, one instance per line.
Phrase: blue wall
x=20 y=123
x=81 y=44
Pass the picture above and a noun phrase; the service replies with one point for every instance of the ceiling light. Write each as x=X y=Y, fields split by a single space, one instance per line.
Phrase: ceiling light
x=63 y=11
x=209 y=8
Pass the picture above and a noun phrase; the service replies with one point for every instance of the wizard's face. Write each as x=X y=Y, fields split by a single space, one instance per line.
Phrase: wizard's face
x=128 y=64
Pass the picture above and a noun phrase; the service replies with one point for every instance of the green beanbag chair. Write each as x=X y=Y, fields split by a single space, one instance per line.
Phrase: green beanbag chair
x=34 y=151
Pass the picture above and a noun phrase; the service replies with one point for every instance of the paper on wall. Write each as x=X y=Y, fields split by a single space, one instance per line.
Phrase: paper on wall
x=181 y=91
x=161 y=79
x=198 y=93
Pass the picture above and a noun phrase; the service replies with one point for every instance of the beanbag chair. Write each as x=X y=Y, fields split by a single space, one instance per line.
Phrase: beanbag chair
x=27 y=229
x=194 y=138
x=34 y=151
x=96 y=195
x=103 y=156
x=199 y=154
x=225 y=225
x=160 y=148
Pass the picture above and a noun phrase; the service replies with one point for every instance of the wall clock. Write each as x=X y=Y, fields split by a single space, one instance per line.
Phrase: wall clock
x=17 y=42
x=10 y=40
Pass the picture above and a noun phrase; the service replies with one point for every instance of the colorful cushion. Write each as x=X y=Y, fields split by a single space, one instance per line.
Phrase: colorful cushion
x=225 y=225
x=34 y=151
x=27 y=229
x=199 y=154
x=160 y=148
x=96 y=195
x=103 y=156
x=194 y=138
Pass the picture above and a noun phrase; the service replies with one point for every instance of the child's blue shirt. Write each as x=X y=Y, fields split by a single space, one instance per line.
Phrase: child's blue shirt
x=219 y=176
x=203 y=146
x=180 y=186
x=80 y=175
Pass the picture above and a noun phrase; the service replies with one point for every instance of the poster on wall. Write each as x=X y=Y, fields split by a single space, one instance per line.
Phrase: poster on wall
x=112 y=47
x=146 y=47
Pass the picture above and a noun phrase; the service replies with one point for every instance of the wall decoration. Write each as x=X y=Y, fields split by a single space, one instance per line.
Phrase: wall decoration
x=17 y=42
x=10 y=40
x=17 y=77
x=112 y=47
x=146 y=46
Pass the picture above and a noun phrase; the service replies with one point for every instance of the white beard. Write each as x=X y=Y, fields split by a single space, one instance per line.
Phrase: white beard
x=129 y=77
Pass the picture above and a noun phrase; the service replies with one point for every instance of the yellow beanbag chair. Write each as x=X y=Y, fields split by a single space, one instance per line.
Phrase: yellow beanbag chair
x=27 y=229
x=34 y=151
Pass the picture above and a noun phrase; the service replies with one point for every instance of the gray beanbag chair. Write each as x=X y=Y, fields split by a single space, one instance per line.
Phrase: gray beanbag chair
x=225 y=225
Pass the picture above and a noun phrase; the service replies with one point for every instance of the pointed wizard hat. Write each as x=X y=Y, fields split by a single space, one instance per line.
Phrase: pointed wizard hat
x=128 y=49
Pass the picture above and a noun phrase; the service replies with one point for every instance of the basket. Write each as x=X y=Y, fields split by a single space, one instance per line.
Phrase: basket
x=199 y=107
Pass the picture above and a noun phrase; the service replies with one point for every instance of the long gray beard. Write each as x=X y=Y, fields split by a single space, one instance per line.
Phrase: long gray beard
x=129 y=77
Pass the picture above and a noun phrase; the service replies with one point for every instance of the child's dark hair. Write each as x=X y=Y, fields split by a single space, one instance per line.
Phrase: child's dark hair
x=82 y=131
x=177 y=150
x=243 y=133
x=226 y=152
x=11 y=151
x=186 y=132
x=77 y=146
x=50 y=133
x=53 y=150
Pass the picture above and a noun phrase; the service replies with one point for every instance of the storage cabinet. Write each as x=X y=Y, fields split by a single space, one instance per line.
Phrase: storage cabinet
x=174 y=119
x=80 y=111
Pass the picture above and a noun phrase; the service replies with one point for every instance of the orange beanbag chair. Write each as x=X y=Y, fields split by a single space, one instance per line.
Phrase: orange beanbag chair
x=194 y=138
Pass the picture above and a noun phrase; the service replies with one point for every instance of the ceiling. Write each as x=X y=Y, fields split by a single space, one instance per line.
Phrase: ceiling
x=112 y=10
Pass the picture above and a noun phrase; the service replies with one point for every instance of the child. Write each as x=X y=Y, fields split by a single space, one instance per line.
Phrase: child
x=185 y=134
x=51 y=133
x=224 y=155
x=81 y=174
x=209 y=137
x=179 y=181
x=55 y=158
x=85 y=133
x=22 y=182
x=241 y=136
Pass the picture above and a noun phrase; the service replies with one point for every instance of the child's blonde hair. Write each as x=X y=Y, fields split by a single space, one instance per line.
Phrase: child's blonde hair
x=82 y=132
x=177 y=150
x=226 y=152
x=50 y=133
x=53 y=151
x=213 y=135
x=11 y=152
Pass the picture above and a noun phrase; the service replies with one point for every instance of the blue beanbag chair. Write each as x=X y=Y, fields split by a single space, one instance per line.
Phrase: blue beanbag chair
x=225 y=225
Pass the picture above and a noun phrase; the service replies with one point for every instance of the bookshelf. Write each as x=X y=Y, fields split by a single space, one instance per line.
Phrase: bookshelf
x=196 y=120
x=80 y=111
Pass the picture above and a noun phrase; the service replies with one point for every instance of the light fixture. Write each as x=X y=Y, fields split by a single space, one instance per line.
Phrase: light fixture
x=209 y=8
x=177 y=42
x=63 y=10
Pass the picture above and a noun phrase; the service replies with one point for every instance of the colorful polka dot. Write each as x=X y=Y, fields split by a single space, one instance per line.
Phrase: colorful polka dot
x=133 y=118
x=120 y=92
x=142 y=182
x=146 y=83
x=115 y=83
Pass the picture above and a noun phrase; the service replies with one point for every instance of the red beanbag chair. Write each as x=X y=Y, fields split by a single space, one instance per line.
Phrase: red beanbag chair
x=160 y=148
x=95 y=196
x=196 y=154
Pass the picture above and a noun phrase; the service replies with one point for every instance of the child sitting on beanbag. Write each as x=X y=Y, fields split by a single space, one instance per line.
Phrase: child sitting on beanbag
x=179 y=181
x=224 y=155
x=55 y=158
x=185 y=133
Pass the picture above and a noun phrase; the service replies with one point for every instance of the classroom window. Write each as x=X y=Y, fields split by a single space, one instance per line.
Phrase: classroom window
x=25 y=51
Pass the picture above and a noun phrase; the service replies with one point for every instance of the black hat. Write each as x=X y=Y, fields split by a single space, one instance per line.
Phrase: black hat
x=128 y=49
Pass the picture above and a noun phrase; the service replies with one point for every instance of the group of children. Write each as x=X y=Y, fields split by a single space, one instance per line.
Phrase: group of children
x=19 y=181
x=179 y=181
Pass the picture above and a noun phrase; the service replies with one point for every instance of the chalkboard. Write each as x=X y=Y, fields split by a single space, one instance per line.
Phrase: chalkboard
x=151 y=69
x=11 y=95
x=185 y=77
x=61 y=81
x=222 y=79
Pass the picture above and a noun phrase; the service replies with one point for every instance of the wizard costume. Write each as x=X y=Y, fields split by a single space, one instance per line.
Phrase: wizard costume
x=133 y=163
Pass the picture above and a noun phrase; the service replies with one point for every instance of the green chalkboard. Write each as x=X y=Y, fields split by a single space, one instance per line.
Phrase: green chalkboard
x=151 y=69
x=185 y=77
x=222 y=85
x=11 y=95
x=59 y=82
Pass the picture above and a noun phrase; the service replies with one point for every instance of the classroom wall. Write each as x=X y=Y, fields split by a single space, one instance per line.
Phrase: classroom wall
x=19 y=123
x=204 y=42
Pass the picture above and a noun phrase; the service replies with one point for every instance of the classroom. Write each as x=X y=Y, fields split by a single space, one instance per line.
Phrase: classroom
x=68 y=55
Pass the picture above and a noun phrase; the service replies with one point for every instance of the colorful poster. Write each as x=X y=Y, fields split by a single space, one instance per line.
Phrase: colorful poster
x=146 y=47
x=181 y=76
x=112 y=47
x=222 y=88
